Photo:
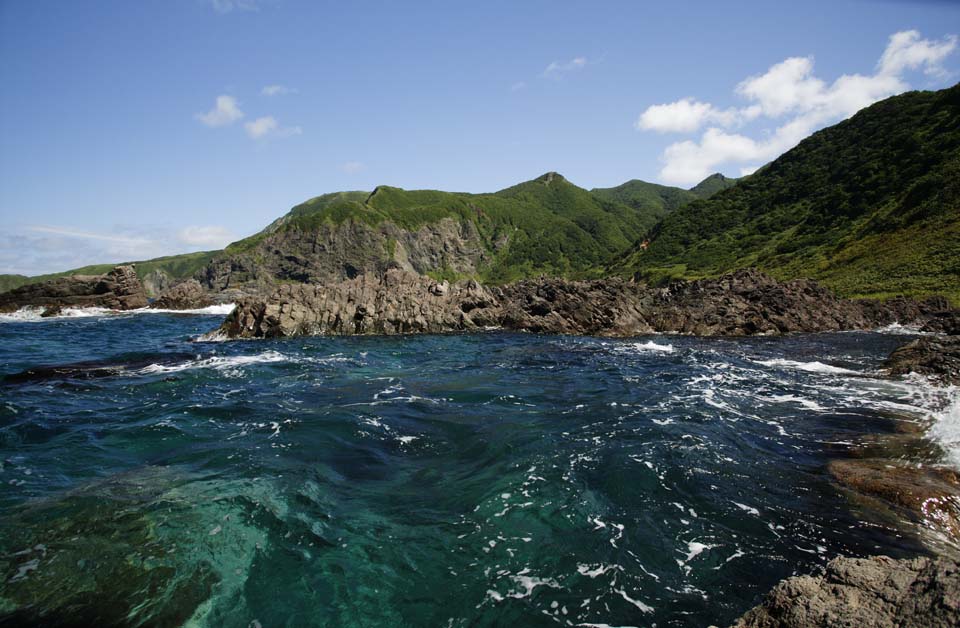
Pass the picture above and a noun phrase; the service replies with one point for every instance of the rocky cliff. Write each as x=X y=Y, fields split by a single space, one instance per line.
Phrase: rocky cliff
x=335 y=252
x=119 y=289
x=398 y=301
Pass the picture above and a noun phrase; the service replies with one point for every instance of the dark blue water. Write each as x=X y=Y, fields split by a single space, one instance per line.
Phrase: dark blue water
x=466 y=480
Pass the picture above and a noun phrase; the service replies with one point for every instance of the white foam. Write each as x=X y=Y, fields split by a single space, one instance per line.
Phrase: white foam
x=652 y=346
x=810 y=367
x=946 y=428
x=900 y=330
x=216 y=362
x=31 y=314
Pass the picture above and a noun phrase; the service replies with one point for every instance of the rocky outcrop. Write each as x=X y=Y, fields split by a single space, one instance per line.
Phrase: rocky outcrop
x=119 y=289
x=937 y=357
x=187 y=295
x=877 y=591
x=399 y=301
x=332 y=253
x=156 y=282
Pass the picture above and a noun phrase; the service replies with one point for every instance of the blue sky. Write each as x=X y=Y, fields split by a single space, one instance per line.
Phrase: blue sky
x=135 y=129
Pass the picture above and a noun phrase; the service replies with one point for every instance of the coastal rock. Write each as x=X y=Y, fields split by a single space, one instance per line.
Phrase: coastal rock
x=398 y=302
x=119 y=289
x=935 y=357
x=187 y=295
x=401 y=301
x=927 y=494
x=156 y=282
x=877 y=591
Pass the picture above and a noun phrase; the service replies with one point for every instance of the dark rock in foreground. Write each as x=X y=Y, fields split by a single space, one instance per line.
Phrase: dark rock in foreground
x=742 y=303
x=186 y=295
x=877 y=591
x=936 y=357
x=118 y=289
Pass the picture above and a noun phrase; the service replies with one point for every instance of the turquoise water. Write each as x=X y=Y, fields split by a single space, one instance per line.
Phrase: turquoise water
x=465 y=480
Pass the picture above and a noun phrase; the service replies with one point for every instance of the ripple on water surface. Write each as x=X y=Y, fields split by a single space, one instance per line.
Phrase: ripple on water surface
x=435 y=480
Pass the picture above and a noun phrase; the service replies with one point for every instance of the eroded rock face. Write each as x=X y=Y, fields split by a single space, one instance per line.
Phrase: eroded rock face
x=877 y=591
x=187 y=295
x=333 y=253
x=119 y=289
x=401 y=301
x=936 y=357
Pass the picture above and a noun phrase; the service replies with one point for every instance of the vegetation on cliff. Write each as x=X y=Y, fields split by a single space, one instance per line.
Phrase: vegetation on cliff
x=870 y=207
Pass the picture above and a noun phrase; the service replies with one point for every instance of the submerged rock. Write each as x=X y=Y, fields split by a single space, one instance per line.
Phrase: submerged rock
x=399 y=301
x=935 y=357
x=928 y=494
x=186 y=295
x=877 y=591
x=118 y=289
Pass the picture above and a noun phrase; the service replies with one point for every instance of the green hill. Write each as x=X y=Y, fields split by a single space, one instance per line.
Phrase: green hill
x=654 y=201
x=870 y=206
x=544 y=226
x=712 y=184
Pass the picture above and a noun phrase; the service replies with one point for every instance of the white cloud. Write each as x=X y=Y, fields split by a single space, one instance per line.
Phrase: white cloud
x=267 y=126
x=353 y=167
x=516 y=87
x=39 y=249
x=226 y=6
x=790 y=93
x=89 y=235
x=557 y=69
x=226 y=111
x=278 y=90
x=209 y=236
x=907 y=51
x=687 y=114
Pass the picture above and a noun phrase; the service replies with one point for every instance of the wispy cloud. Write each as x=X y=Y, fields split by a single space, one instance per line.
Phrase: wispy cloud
x=516 y=87
x=790 y=94
x=225 y=112
x=39 y=249
x=267 y=126
x=227 y=6
x=558 y=69
x=208 y=236
x=353 y=167
x=278 y=90
x=88 y=235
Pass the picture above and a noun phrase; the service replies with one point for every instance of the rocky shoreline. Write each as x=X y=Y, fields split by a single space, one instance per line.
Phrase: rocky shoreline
x=119 y=289
x=877 y=591
x=745 y=302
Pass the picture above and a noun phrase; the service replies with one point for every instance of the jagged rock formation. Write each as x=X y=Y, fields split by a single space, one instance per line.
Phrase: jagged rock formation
x=119 y=289
x=741 y=303
x=156 y=281
x=936 y=357
x=877 y=591
x=187 y=295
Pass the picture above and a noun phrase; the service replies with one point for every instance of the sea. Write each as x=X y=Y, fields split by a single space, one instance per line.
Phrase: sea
x=150 y=478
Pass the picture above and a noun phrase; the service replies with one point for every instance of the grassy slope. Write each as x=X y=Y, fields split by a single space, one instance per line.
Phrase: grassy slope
x=550 y=225
x=870 y=206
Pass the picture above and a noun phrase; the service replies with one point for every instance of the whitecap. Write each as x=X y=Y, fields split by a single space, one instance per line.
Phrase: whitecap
x=216 y=362
x=810 y=367
x=946 y=429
